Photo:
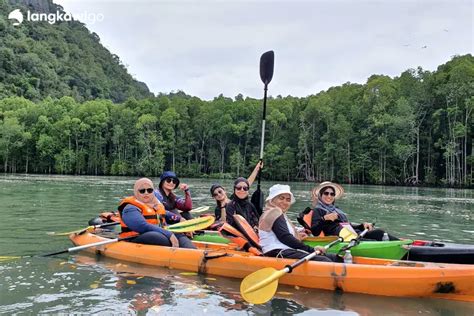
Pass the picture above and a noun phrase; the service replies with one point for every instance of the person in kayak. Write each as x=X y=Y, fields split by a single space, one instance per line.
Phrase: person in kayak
x=240 y=204
x=143 y=215
x=220 y=195
x=329 y=219
x=278 y=236
x=164 y=193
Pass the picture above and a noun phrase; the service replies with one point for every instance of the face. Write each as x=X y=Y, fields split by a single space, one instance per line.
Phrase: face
x=241 y=190
x=283 y=201
x=169 y=183
x=328 y=195
x=145 y=193
x=219 y=194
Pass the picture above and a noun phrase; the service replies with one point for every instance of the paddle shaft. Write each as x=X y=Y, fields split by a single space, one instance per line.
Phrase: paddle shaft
x=78 y=248
x=354 y=242
x=289 y=268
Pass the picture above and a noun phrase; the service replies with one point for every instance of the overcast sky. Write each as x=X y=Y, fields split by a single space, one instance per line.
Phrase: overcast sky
x=210 y=47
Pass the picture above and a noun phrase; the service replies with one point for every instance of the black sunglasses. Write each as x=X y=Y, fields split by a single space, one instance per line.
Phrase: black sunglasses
x=149 y=190
x=329 y=193
x=217 y=192
x=241 y=188
x=169 y=180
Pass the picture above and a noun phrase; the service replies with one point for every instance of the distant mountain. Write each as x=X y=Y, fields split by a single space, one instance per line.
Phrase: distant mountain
x=39 y=59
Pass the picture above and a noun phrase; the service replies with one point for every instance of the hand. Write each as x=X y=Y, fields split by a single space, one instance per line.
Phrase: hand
x=260 y=164
x=302 y=235
x=319 y=250
x=368 y=226
x=183 y=186
x=174 y=241
x=330 y=217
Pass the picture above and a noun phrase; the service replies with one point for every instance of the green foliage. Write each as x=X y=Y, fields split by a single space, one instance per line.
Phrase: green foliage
x=38 y=60
x=68 y=106
x=373 y=133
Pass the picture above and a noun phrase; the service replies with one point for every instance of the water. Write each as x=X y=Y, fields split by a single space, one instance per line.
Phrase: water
x=34 y=205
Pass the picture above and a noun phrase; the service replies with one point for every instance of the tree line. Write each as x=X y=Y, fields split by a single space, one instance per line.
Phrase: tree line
x=412 y=129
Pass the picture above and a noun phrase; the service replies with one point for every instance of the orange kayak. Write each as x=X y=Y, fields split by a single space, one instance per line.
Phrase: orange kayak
x=366 y=275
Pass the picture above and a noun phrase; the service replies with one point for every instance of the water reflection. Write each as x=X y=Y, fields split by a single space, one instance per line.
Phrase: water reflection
x=82 y=284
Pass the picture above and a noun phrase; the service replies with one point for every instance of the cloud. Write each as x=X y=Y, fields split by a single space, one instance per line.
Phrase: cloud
x=210 y=47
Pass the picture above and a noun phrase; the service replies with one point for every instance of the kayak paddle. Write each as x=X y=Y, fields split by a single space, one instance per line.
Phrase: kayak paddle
x=181 y=227
x=267 y=61
x=79 y=231
x=192 y=224
x=200 y=209
x=260 y=286
x=100 y=243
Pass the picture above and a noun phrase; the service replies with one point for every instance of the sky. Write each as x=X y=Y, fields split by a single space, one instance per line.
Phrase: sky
x=211 y=47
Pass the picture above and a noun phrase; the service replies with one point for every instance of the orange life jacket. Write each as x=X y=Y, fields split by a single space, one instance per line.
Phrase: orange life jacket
x=154 y=216
x=305 y=219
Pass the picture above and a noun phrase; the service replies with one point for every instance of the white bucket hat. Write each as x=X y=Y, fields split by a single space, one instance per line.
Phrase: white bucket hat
x=278 y=189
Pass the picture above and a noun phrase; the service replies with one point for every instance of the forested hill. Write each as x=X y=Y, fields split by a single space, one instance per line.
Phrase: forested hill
x=68 y=106
x=38 y=59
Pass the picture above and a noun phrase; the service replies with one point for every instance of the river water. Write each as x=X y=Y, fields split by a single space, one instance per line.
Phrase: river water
x=31 y=206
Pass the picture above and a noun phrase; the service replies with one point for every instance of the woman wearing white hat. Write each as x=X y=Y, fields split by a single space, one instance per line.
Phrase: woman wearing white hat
x=278 y=236
x=327 y=218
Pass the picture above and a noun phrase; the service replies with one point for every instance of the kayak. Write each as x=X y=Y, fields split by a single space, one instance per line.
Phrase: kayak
x=434 y=251
x=372 y=249
x=367 y=275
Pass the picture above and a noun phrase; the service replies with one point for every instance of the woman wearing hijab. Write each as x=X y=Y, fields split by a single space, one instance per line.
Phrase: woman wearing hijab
x=240 y=204
x=178 y=205
x=143 y=215
x=327 y=217
x=220 y=195
x=278 y=236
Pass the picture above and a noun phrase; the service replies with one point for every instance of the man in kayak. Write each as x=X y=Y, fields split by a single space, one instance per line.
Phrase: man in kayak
x=220 y=195
x=178 y=205
x=143 y=215
x=278 y=236
x=329 y=219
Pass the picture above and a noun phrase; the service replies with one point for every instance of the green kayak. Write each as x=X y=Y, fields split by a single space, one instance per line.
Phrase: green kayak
x=373 y=249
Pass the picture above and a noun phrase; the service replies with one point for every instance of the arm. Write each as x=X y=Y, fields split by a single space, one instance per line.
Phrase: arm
x=317 y=222
x=254 y=173
x=280 y=228
x=134 y=219
x=184 y=204
x=172 y=218
x=229 y=213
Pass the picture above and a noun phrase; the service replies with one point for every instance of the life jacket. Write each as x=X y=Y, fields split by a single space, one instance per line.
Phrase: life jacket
x=154 y=216
x=305 y=219
x=231 y=233
x=249 y=233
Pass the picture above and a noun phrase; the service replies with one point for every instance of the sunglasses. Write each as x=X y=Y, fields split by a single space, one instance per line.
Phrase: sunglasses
x=169 y=180
x=241 y=188
x=329 y=193
x=149 y=190
x=217 y=193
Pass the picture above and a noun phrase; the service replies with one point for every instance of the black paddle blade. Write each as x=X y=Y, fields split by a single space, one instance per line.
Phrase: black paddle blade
x=257 y=200
x=266 y=66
